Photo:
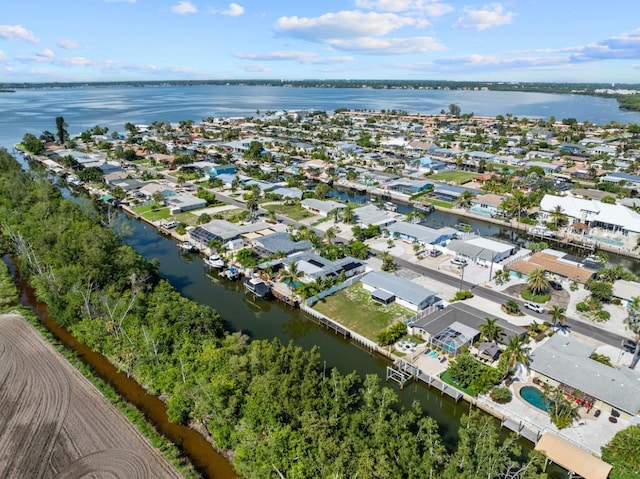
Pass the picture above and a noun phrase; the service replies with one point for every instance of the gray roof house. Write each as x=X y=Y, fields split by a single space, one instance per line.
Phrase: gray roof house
x=314 y=266
x=222 y=230
x=372 y=215
x=481 y=249
x=407 y=293
x=320 y=207
x=279 y=243
x=422 y=234
x=184 y=202
x=564 y=361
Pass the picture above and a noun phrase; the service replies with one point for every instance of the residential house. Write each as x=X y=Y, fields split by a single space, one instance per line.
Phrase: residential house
x=321 y=207
x=565 y=362
x=481 y=250
x=372 y=215
x=279 y=243
x=557 y=264
x=625 y=291
x=423 y=235
x=184 y=202
x=385 y=286
x=488 y=204
x=313 y=266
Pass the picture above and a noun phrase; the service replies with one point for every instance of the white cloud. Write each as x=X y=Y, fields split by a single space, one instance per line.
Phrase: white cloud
x=234 y=10
x=184 y=7
x=9 y=32
x=389 y=46
x=46 y=53
x=68 y=44
x=488 y=16
x=344 y=24
x=3 y=56
x=307 y=58
x=433 y=8
x=256 y=68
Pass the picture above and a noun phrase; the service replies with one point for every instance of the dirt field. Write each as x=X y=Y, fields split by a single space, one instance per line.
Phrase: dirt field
x=55 y=424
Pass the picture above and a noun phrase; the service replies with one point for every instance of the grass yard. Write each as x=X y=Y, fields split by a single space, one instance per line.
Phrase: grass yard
x=443 y=204
x=157 y=214
x=457 y=177
x=447 y=379
x=354 y=308
x=145 y=208
x=294 y=212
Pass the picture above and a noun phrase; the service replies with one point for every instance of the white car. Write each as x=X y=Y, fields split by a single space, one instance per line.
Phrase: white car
x=538 y=308
x=459 y=261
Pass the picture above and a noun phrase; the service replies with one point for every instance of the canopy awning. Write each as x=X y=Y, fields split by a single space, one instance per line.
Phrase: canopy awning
x=572 y=458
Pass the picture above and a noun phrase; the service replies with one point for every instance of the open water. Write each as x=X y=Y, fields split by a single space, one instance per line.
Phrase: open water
x=35 y=110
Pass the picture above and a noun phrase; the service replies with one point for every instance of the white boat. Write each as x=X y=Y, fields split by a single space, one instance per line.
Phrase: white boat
x=214 y=261
x=231 y=273
x=389 y=206
x=188 y=246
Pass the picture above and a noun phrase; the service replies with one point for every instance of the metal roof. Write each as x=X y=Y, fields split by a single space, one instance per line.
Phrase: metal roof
x=402 y=288
x=567 y=360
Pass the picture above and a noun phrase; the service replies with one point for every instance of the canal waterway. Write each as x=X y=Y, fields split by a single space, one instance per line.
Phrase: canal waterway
x=206 y=459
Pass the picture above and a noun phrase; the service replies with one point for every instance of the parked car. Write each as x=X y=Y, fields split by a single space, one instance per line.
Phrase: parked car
x=459 y=261
x=629 y=346
x=435 y=253
x=555 y=285
x=538 y=308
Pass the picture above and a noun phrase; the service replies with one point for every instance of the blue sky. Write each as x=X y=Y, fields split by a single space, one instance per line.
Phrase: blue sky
x=523 y=40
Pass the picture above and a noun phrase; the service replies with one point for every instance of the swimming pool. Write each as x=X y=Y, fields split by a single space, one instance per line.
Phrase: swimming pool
x=534 y=396
x=609 y=241
x=481 y=211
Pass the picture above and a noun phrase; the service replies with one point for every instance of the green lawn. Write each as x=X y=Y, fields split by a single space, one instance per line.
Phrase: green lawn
x=294 y=212
x=458 y=177
x=447 y=379
x=157 y=214
x=354 y=308
x=443 y=204
x=145 y=208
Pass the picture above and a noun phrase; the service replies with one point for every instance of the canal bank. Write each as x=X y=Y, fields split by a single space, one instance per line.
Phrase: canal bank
x=207 y=461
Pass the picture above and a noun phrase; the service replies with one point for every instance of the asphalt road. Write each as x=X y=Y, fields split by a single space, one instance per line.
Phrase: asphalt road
x=497 y=297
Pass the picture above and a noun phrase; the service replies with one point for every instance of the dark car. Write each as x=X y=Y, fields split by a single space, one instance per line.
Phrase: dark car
x=434 y=253
x=629 y=346
x=555 y=285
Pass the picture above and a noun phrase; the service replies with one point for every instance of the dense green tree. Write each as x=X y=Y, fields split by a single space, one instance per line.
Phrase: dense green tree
x=622 y=453
x=61 y=130
x=32 y=144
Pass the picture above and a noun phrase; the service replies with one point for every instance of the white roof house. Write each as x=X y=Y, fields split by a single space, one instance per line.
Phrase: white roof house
x=625 y=290
x=372 y=215
x=593 y=212
x=320 y=207
x=407 y=293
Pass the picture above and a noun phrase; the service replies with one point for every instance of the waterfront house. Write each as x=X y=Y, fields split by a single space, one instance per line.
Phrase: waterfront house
x=408 y=187
x=321 y=207
x=313 y=266
x=450 y=193
x=225 y=231
x=595 y=214
x=458 y=325
x=369 y=215
x=563 y=361
x=423 y=235
x=631 y=182
x=488 y=204
x=387 y=287
x=184 y=202
x=279 y=243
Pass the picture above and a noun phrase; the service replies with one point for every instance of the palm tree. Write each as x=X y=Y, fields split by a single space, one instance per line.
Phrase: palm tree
x=330 y=234
x=291 y=275
x=517 y=351
x=633 y=324
x=464 y=200
x=557 y=314
x=537 y=281
x=490 y=330
x=558 y=215
x=347 y=215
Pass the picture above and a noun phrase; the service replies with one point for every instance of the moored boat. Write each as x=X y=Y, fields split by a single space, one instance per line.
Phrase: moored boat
x=257 y=287
x=214 y=261
x=188 y=247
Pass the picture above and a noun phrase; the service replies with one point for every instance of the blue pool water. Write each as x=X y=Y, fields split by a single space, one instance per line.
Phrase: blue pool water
x=481 y=211
x=534 y=397
x=611 y=242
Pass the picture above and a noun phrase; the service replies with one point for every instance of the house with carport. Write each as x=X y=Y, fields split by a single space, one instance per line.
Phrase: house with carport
x=386 y=288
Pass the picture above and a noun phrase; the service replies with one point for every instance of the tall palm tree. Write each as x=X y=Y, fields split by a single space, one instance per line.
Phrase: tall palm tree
x=557 y=314
x=291 y=275
x=517 y=351
x=464 y=200
x=347 y=215
x=633 y=324
x=490 y=330
x=537 y=281
x=330 y=234
x=558 y=215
